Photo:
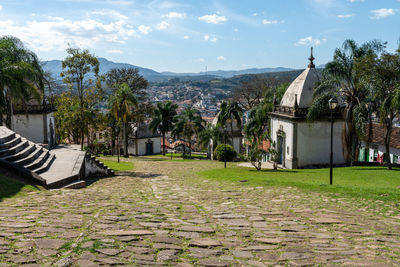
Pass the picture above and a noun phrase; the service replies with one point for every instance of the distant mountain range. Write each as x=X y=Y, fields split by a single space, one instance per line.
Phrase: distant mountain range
x=55 y=68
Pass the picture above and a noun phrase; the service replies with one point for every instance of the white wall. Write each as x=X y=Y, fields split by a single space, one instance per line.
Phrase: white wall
x=30 y=127
x=237 y=141
x=142 y=146
x=313 y=143
x=287 y=127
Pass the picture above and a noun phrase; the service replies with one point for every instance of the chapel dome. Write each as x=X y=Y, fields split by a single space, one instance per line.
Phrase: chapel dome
x=302 y=87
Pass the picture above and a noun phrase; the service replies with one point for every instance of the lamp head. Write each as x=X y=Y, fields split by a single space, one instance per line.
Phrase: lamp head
x=333 y=103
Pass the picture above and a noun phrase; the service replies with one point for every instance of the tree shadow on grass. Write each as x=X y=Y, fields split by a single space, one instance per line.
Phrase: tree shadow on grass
x=11 y=184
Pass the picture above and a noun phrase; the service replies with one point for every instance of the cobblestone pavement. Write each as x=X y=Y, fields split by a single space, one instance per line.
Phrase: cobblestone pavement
x=155 y=219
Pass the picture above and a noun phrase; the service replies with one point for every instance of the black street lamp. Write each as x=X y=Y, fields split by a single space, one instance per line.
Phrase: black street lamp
x=225 y=145
x=332 y=106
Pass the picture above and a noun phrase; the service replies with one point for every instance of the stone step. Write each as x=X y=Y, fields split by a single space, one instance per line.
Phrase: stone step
x=11 y=143
x=39 y=161
x=28 y=149
x=15 y=149
x=6 y=135
x=46 y=165
x=76 y=185
x=31 y=157
x=110 y=172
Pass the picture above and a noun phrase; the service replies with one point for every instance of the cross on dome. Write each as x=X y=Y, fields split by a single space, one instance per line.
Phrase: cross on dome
x=311 y=58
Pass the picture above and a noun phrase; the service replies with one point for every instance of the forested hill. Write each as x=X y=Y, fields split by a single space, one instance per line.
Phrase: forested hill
x=208 y=81
x=55 y=68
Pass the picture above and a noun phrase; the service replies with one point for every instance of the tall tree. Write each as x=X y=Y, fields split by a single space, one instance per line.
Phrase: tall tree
x=21 y=76
x=136 y=83
x=79 y=69
x=163 y=119
x=189 y=124
x=383 y=74
x=212 y=133
x=230 y=112
x=342 y=78
x=121 y=105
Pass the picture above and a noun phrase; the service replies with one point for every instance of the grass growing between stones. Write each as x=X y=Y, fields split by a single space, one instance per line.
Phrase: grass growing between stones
x=376 y=183
x=10 y=187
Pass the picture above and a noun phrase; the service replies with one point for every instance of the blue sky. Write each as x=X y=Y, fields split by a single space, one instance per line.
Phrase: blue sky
x=187 y=36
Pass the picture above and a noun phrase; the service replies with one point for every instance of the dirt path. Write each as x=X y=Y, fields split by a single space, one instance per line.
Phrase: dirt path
x=169 y=216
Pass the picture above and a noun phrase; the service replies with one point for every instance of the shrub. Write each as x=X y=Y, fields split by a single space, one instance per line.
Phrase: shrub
x=220 y=150
x=242 y=158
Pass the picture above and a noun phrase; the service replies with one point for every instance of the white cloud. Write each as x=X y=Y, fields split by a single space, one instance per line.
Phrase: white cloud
x=353 y=1
x=1 y=7
x=210 y=39
x=265 y=21
x=213 y=19
x=310 y=41
x=382 y=13
x=175 y=15
x=110 y=13
x=221 y=58
x=57 y=33
x=145 y=29
x=200 y=60
x=345 y=16
x=255 y=14
x=162 y=25
x=236 y=30
x=114 y=51
x=186 y=37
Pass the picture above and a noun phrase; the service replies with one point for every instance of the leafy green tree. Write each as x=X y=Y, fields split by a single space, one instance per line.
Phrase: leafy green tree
x=230 y=112
x=67 y=118
x=137 y=84
x=256 y=132
x=189 y=124
x=163 y=119
x=383 y=75
x=121 y=105
x=342 y=78
x=79 y=67
x=21 y=77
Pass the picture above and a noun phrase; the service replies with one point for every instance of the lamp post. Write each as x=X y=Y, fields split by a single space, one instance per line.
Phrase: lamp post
x=332 y=106
x=225 y=146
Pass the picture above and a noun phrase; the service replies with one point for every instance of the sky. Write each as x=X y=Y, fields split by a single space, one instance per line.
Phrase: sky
x=192 y=36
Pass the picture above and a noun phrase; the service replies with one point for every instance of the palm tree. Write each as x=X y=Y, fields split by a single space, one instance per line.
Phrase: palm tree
x=341 y=77
x=256 y=131
x=189 y=123
x=163 y=119
x=211 y=133
x=383 y=75
x=21 y=76
x=230 y=112
x=121 y=105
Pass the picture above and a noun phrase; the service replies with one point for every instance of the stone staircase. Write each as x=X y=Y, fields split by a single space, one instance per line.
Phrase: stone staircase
x=96 y=166
x=21 y=152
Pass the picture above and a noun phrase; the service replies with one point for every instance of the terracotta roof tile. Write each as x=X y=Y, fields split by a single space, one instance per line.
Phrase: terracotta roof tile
x=379 y=132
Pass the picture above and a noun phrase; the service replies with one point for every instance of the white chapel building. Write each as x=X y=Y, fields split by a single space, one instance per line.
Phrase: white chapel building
x=301 y=144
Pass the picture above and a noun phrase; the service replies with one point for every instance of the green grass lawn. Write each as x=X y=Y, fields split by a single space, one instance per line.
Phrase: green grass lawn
x=112 y=163
x=10 y=188
x=365 y=182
